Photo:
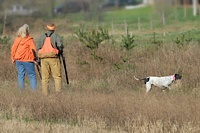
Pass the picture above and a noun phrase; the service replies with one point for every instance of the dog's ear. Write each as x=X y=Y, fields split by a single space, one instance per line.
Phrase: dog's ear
x=146 y=80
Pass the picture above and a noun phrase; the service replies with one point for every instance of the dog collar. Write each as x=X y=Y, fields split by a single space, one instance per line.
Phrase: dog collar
x=173 y=77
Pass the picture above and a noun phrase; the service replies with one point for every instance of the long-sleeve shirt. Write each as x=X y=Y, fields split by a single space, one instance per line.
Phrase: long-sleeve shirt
x=23 y=49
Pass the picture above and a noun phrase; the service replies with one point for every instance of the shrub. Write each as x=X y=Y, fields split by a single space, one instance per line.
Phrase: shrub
x=183 y=40
x=92 y=39
x=128 y=41
x=5 y=40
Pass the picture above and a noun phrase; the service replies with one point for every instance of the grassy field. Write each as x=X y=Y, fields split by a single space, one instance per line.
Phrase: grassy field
x=103 y=96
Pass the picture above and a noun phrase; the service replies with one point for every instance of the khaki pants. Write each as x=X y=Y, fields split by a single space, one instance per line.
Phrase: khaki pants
x=48 y=66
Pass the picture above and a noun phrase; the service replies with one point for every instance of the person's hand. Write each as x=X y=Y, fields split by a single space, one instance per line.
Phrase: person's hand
x=37 y=62
x=60 y=52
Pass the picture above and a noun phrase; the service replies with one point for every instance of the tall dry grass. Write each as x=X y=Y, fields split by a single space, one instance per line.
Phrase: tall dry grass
x=121 y=111
x=103 y=96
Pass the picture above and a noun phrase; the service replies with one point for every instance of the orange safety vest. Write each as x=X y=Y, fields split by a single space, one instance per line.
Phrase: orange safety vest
x=47 y=50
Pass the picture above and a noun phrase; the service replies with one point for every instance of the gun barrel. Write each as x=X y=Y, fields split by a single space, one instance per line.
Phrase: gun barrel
x=65 y=68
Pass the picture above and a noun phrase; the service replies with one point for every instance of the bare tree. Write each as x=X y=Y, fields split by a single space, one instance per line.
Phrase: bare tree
x=185 y=8
x=194 y=2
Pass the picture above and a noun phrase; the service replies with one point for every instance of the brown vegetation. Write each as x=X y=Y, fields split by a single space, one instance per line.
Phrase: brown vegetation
x=103 y=96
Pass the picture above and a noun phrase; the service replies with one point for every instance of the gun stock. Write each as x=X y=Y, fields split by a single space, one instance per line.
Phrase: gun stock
x=37 y=65
x=38 y=69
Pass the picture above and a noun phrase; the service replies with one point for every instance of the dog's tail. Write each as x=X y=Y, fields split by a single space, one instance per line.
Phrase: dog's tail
x=145 y=79
x=137 y=78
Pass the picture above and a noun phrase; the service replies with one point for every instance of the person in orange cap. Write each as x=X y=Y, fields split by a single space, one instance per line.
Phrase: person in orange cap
x=22 y=55
x=49 y=47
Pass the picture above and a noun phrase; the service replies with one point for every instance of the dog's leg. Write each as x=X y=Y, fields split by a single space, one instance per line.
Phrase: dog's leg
x=168 y=87
x=148 y=87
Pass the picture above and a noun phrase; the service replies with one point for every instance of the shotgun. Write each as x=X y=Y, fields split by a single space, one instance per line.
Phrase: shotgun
x=37 y=65
x=65 y=68
x=38 y=69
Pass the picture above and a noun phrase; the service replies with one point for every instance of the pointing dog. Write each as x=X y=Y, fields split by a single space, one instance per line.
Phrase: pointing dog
x=161 y=82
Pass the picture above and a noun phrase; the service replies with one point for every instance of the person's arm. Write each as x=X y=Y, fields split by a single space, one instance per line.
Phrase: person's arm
x=59 y=44
x=14 y=49
x=38 y=47
x=40 y=43
x=33 y=49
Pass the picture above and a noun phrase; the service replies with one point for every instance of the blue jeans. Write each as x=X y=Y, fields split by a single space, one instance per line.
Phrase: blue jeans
x=29 y=68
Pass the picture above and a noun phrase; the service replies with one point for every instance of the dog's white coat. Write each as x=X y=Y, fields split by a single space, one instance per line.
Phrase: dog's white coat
x=162 y=82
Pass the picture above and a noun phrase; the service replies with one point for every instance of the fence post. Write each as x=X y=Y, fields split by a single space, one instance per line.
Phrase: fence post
x=125 y=26
x=163 y=18
x=185 y=8
x=151 y=23
x=113 y=30
x=176 y=14
x=139 y=26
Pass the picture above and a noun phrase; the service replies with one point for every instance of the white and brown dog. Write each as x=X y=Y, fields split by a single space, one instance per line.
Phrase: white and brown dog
x=161 y=82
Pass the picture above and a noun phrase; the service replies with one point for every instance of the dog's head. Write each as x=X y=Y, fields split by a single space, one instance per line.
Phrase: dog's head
x=177 y=76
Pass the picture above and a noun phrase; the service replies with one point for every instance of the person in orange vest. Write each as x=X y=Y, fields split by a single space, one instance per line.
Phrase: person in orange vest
x=49 y=47
x=22 y=55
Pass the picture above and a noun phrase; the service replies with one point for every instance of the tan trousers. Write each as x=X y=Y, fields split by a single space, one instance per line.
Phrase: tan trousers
x=48 y=66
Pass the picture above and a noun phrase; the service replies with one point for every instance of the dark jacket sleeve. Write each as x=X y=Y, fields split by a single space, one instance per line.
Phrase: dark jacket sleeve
x=59 y=42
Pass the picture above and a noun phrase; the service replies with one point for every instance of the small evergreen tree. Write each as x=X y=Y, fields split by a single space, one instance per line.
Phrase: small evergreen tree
x=92 y=39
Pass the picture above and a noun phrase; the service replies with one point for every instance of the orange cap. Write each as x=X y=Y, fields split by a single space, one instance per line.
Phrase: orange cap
x=51 y=26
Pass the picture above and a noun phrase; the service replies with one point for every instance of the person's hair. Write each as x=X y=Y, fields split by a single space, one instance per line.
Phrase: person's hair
x=23 y=31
